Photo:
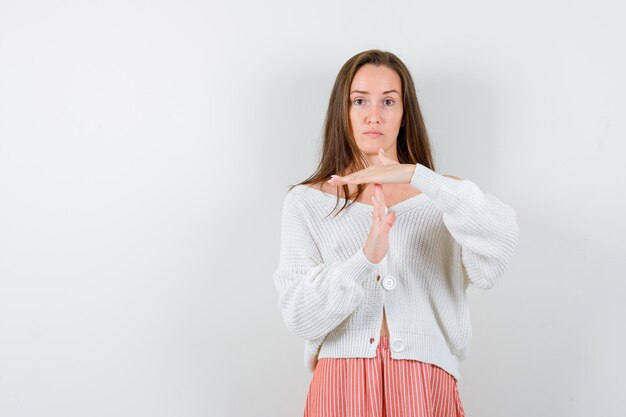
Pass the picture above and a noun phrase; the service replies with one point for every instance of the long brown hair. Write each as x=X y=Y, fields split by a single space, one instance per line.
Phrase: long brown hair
x=340 y=152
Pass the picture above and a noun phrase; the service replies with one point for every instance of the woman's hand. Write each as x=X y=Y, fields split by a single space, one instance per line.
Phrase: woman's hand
x=378 y=239
x=391 y=172
x=377 y=242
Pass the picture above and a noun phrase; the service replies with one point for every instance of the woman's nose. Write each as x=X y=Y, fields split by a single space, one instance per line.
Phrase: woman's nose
x=373 y=117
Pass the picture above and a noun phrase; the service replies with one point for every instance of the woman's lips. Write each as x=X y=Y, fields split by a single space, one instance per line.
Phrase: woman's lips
x=373 y=134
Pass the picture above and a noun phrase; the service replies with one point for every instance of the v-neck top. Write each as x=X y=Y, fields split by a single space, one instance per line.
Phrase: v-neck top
x=368 y=208
x=442 y=240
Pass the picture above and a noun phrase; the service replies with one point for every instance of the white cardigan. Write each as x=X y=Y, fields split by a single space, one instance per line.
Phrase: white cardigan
x=442 y=240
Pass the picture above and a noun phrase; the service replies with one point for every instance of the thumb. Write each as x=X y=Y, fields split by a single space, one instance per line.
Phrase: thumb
x=391 y=217
x=385 y=160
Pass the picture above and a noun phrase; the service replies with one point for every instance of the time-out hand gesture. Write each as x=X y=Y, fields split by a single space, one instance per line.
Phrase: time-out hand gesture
x=391 y=171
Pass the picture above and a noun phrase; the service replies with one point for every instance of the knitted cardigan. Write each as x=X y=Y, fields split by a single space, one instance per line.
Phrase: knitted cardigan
x=330 y=294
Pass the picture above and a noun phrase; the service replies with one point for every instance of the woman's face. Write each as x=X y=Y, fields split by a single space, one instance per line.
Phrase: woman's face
x=376 y=108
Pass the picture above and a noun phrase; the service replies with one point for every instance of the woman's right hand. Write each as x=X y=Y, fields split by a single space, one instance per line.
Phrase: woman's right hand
x=378 y=239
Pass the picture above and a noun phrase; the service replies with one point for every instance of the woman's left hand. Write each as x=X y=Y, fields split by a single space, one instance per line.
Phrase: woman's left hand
x=390 y=172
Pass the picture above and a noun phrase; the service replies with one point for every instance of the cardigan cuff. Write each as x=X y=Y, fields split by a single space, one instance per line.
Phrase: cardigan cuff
x=358 y=265
x=437 y=187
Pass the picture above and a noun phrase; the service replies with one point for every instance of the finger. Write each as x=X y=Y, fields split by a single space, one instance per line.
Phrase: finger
x=336 y=180
x=377 y=193
x=381 y=203
x=391 y=217
x=348 y=179
x=376 y=220
x=380 y=208
x=382 y=157
x=376 y=208
x=382 y=154
x=381 y=194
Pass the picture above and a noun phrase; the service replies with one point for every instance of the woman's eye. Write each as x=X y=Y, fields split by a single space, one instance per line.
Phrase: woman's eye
x=358 y=101
x=388 y=102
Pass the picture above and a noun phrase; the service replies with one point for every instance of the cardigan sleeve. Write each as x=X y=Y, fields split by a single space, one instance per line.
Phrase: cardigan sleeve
x=485 y=227
x=315 y=297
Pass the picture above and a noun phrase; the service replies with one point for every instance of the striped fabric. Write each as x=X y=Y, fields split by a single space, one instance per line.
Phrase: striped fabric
x=381 y=387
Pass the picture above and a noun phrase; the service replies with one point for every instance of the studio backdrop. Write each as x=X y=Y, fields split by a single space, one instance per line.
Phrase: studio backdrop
x=146 y=148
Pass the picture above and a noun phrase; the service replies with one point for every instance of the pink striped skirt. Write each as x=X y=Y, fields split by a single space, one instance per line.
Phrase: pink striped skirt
x=381 y=387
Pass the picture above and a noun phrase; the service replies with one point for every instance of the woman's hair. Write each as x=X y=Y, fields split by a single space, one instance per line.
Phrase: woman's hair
x=340 y=153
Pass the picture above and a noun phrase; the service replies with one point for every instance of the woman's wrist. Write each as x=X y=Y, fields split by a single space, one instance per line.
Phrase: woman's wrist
x=410 y=170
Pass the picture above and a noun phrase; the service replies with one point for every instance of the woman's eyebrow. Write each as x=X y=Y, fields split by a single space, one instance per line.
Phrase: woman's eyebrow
x=367 y=92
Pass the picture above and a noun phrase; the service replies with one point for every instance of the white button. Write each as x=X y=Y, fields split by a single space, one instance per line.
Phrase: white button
x=397 y=345
x=389 y=283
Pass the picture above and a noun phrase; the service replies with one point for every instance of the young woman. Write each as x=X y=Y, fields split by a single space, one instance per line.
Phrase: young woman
x=378 y=290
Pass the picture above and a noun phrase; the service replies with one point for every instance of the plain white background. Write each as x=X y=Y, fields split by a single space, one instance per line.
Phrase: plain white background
x=146 y=148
